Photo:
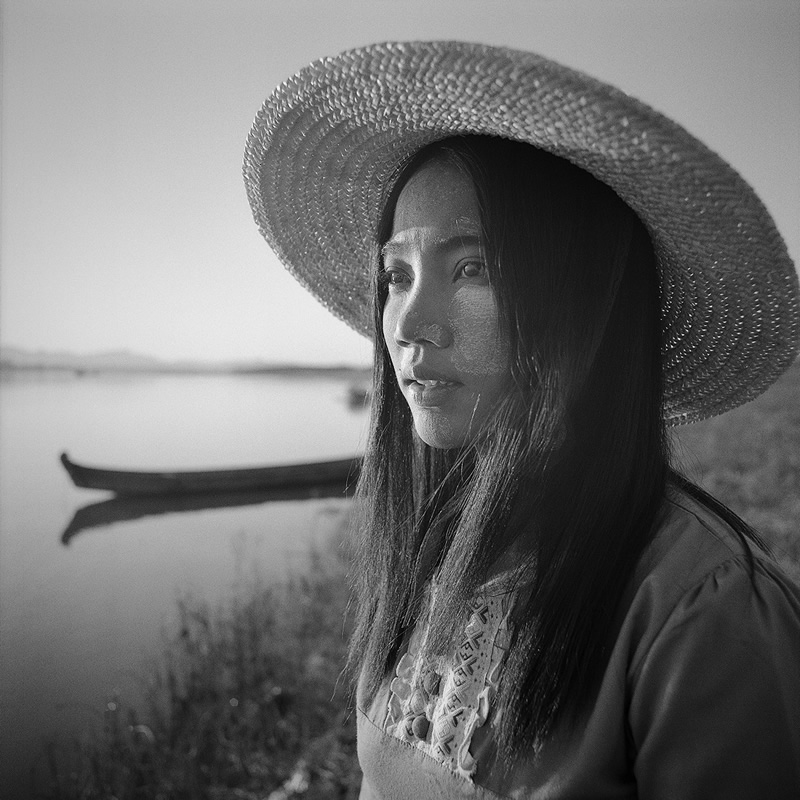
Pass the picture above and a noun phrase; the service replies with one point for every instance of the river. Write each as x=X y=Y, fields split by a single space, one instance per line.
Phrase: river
x=79 y=620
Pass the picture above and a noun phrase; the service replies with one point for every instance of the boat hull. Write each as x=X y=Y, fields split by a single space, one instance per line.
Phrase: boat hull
x=286 y=476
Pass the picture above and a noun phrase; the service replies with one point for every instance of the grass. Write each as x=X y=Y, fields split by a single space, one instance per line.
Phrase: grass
x=749 y=459
x=247 y=702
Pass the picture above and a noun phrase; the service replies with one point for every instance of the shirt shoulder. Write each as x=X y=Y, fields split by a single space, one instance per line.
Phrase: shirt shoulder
x=698 y=568
x=712 y=683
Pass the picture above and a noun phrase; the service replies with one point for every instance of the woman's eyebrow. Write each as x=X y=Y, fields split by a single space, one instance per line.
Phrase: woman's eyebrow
x=397 y=247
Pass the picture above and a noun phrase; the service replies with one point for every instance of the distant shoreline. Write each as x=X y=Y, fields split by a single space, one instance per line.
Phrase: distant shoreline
x=19 y=361
x=297 y=371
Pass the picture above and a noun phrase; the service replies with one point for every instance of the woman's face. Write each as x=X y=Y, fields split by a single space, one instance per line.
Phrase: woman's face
x=441 y=322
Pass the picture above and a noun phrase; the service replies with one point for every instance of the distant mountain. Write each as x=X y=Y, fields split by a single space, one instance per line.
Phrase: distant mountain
x=19 y=359
x=113 y=361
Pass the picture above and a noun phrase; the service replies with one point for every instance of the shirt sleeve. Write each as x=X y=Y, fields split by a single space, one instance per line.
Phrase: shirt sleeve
x=715 y=703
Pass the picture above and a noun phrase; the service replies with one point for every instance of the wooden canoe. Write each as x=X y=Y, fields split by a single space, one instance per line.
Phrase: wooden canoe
x=286 y=476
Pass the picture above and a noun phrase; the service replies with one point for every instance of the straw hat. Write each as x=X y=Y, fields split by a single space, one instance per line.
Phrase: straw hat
x=328 y=141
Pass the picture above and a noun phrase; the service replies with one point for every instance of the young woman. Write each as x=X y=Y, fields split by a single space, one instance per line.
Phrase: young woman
x=552 y=272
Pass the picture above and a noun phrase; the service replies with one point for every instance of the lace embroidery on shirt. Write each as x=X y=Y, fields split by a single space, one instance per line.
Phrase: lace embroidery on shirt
x=437 y=708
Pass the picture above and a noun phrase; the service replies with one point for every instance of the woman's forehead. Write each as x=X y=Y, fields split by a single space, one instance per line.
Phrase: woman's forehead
x=438 y=195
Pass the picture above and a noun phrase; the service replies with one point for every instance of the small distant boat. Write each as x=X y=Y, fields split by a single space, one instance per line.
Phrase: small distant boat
x=130 y=483
x=358 y=397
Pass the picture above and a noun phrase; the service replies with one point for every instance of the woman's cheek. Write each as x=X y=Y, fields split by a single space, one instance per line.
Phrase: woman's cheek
x=388 y=323
x=478 y=346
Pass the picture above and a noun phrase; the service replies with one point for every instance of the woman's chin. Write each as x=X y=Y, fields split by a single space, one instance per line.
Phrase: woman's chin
x=441 y=434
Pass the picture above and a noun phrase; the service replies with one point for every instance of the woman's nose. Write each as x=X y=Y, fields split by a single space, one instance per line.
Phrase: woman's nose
x=422 y=319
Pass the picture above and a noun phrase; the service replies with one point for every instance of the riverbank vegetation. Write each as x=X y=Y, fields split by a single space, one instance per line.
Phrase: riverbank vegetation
x=749 y=458
x=246 y=703
x=247 y=700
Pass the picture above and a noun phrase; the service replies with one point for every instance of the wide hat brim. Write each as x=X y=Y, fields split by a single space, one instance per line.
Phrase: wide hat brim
x=328 y=142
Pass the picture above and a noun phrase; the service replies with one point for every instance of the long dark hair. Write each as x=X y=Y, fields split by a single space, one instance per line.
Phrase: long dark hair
x=572 y=467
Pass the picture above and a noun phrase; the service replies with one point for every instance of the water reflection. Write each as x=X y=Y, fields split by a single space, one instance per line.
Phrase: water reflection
x=126 y=509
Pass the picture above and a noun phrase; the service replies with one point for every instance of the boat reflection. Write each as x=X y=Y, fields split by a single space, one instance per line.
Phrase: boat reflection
x=126 y=509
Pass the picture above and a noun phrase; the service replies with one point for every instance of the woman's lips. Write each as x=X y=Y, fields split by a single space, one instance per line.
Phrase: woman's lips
x=430 y=393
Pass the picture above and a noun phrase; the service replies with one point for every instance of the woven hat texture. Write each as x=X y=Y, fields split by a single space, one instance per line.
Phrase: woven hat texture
x=327 y=142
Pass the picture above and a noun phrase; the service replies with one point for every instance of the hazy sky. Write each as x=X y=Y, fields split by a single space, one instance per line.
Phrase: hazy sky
x=124 y=220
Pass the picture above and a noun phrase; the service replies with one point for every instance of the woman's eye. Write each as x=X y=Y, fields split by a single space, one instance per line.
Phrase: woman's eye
x=395 y=277
x=473 y=269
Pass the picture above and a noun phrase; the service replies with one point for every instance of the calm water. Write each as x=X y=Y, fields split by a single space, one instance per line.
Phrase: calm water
x=78 y=621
